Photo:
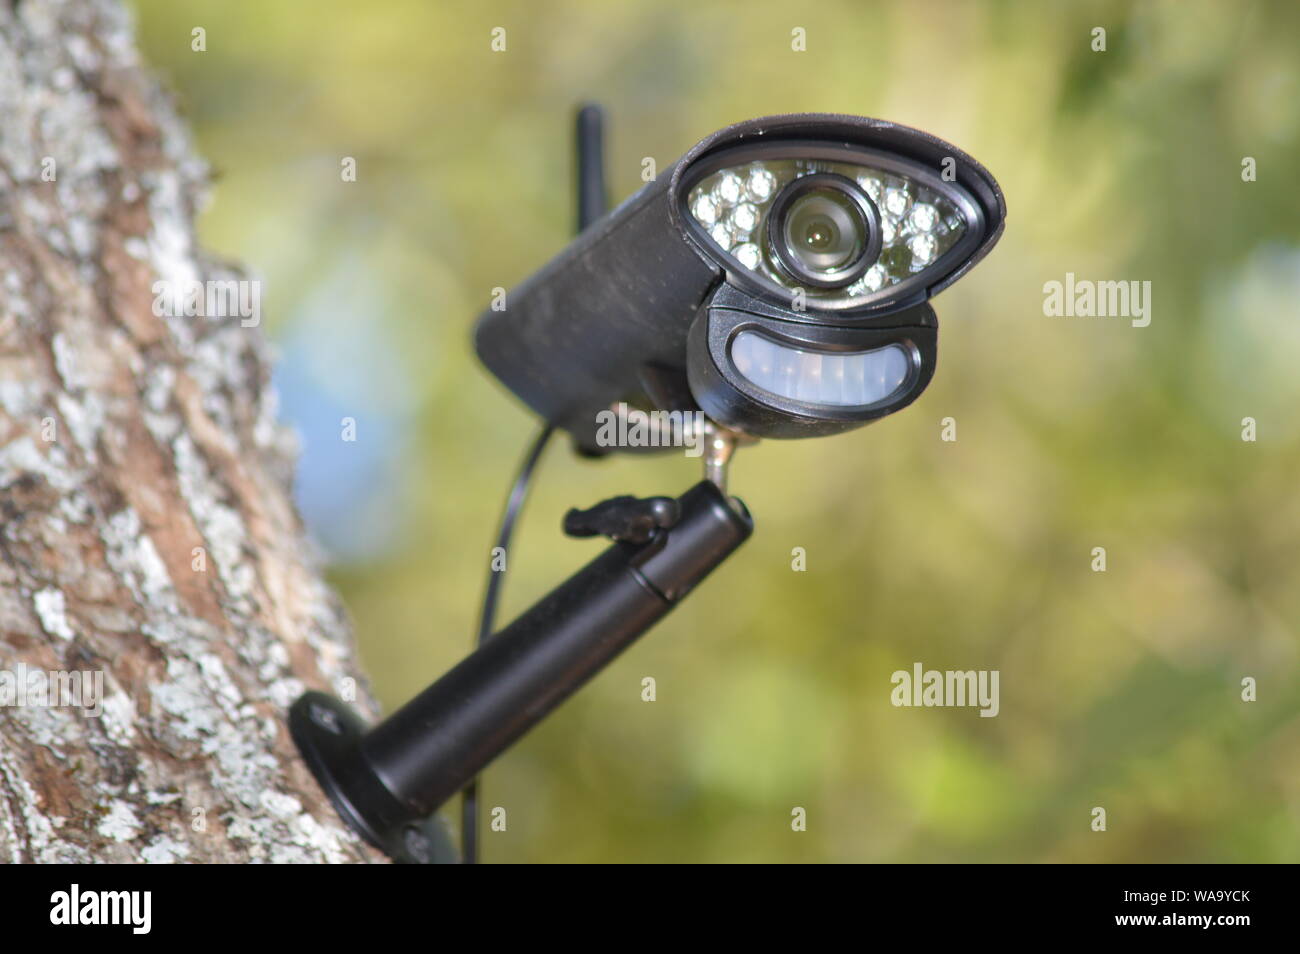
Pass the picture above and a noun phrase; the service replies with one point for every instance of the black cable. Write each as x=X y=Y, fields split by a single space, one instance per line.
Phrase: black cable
x=589 y=149
x=515 y=503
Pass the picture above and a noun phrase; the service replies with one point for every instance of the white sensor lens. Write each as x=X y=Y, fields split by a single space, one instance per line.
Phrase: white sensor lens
x=816 y=377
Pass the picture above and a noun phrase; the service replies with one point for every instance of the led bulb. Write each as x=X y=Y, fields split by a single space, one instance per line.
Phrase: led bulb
x=761 y=184
x=871 y=186
x=897 y=201
x=705 y=209
x=748 y=255
x=744 y=217
x=728 y=188
x=923 y=248
x=924 y=217
x=875 y=279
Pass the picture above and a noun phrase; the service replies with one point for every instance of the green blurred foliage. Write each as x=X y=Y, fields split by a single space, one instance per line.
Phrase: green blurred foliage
x=1118 y=689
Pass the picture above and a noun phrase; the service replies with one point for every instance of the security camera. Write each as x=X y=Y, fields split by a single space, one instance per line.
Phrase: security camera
x=777 y=277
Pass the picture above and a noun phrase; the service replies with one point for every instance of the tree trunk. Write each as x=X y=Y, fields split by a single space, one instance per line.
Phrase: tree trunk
x=146 y=527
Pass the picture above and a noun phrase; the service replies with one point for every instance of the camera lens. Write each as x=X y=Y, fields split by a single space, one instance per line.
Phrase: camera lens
x=824 y=230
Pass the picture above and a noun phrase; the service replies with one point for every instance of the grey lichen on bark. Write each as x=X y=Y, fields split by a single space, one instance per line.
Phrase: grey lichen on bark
x=147 y=529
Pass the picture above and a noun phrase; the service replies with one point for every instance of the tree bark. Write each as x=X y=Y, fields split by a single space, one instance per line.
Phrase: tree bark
x=147 y=530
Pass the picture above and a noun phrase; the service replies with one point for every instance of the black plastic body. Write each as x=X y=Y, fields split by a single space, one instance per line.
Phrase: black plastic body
x=387 y=781
x=610 y=317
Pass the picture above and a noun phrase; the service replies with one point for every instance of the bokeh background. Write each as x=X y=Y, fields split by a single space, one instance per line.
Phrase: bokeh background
x=1118 y=689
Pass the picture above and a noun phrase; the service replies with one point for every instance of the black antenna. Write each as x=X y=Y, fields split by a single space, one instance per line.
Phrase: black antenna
x=590 y=151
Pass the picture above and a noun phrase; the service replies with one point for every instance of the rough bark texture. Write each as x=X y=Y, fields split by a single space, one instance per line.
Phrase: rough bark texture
x=126 y=442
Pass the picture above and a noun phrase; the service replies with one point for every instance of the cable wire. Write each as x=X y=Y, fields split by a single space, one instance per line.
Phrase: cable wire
x=514 y=505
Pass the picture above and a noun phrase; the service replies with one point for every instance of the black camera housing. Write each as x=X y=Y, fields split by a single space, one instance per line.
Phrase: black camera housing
x=643 y=308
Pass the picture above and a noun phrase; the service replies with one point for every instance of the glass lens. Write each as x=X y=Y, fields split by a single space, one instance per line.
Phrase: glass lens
x=824 y=230
x=917 y=226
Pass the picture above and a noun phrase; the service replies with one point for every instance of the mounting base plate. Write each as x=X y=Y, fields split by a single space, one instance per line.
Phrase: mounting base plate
x=328 y=734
